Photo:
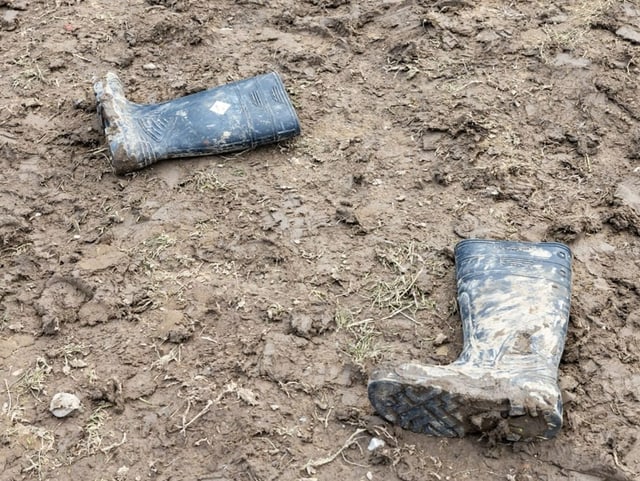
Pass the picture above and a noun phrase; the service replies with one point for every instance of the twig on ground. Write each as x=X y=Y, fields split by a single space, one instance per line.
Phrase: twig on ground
x=201 y=413
x=315 y=463
x=106 y=449
x=6 y=385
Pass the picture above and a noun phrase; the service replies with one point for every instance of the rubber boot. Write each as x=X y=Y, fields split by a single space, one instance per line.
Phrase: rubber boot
x=513 y=299
x=233 y=117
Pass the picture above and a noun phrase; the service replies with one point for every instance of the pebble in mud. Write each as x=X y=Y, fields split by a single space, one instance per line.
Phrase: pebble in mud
x=63 y=404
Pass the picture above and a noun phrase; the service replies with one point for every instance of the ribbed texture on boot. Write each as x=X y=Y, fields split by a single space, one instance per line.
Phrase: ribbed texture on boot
x=422 y=409
x=233 y=117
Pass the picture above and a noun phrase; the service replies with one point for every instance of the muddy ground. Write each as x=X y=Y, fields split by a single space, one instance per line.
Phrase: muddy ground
x=218 y=317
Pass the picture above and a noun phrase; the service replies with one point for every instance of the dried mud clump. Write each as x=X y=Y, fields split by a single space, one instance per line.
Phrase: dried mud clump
x=168 y=32
x=625 y=219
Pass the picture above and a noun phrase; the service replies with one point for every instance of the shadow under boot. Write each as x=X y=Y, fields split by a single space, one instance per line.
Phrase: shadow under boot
x=514 y=302
x=233 y=117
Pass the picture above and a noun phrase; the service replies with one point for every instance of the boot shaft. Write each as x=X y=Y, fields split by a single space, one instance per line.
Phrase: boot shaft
x=514 y=300
x=233 y=117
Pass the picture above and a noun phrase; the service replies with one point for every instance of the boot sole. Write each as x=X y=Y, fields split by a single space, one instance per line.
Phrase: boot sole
x=429 y=409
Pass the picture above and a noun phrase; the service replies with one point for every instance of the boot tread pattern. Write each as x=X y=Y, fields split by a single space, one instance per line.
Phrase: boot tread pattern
x=421 y=409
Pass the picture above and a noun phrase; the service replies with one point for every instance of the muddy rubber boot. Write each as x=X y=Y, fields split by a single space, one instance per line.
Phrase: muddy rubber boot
x=514 y=300
x=233 y=117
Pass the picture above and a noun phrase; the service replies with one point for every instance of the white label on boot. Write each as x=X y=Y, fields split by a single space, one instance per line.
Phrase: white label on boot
x=220 y=107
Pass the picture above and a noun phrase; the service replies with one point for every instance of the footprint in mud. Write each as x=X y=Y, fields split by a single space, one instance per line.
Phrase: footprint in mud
x=67 y=299
x=59 y=303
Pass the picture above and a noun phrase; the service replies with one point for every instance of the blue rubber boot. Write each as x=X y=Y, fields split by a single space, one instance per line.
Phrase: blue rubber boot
x=514 y=301
x=233 y=117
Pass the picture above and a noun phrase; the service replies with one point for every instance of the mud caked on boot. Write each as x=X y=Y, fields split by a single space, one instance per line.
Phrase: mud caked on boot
x=513 y=299
x=233 y=117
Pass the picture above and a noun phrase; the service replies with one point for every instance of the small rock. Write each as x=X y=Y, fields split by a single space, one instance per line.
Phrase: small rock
x=375 y=443
x=557 y=19
x=31 y=103
x=77 y=363
x=248 y=396
x=93 y=312
x=442 y=351
x=143 y=384
x=440 y=339
x=57 y=64
x=629 y=34
x=122 y=472
x=487 y=36
x=568 y=397
x=179 y=84
x=149 y=66
x=19 y=4
x=301 y=325
x=424 y=283
x=63 y=404
x=568 y=382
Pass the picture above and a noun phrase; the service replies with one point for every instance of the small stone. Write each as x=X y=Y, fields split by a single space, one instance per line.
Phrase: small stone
x=149 y=66
x=57 y=64
x=568 y=397
x=179 y=84
x=568 y=382
x=557 y=19
x=375 y=443
x=431 y=139
x=629 y=34
x=424 y=283
x=248 y=396
x=77 y=363
x=442 y=351
x=63 y=404
x=440 y=339
x=122 y=472
x=487 y=36
x=31 y=103
x=301 y=325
